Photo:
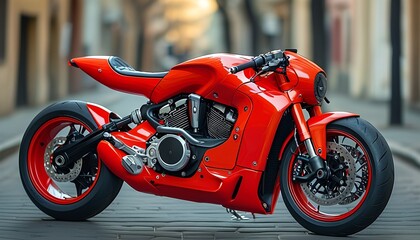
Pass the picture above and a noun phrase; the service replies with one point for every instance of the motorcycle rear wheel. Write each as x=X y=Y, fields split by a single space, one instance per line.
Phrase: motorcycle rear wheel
x=359 y=185
x=74 y=194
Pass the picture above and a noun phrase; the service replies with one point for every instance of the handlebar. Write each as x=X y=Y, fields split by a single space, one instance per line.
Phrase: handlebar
x=260 y=61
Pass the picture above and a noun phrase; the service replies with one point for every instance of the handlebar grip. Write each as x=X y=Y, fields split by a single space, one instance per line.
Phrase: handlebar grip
x=258 y=61
x=241 y=67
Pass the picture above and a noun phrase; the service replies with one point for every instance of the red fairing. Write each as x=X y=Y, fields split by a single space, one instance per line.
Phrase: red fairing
x=99 y=69
x=209 y=185
x=305 y=71
x=206 y=76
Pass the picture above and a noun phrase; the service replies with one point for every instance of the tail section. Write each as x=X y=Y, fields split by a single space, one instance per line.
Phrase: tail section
x=114 y=73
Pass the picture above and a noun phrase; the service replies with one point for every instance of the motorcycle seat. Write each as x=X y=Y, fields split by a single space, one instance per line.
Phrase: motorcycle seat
x=123 y=68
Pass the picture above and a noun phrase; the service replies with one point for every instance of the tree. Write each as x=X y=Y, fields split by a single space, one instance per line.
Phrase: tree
x=396 y=101
x=226 y=24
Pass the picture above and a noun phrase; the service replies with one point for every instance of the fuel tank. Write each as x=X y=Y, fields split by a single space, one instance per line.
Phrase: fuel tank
x=207 y=76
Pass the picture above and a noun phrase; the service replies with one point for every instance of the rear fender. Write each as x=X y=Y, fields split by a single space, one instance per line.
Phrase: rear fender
x=100 y=114
x=318 y=129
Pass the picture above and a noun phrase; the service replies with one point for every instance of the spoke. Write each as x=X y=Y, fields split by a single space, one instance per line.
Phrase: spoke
x=79 y=188
x=314 y=184
x=317 y=209
x=360 y=158
x=82 y=129
x=72 y=129
x=361 y=166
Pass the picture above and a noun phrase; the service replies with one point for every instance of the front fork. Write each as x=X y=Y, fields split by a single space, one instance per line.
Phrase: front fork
x=317 y=163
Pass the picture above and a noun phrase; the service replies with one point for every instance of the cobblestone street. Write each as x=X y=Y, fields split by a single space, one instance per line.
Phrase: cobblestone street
x=136 y=215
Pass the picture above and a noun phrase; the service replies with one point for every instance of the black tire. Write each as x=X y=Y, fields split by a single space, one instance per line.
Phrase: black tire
x=375 y=197
x=101 y=193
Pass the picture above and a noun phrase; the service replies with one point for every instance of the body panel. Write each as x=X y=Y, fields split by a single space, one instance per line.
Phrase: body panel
x=206 y=76
x=305 y=71
x=268 y=108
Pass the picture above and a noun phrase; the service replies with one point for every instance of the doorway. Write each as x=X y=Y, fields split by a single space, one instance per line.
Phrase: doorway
x=27 y=59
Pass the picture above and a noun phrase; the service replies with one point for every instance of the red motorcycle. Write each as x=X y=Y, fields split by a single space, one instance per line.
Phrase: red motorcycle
x=224 y=129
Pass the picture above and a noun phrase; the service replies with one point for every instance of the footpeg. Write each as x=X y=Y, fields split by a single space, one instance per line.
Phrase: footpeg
x=132 y=164
x=238 y=217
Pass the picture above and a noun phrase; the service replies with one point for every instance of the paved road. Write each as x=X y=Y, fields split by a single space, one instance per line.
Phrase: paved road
x=136 y=215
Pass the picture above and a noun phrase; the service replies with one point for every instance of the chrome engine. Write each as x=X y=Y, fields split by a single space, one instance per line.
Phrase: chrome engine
x=171 y=151
x=193 y=113
x=220 y=121
x=199 y=117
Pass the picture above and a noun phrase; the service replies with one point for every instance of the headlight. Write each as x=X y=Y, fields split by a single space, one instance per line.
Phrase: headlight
x=320 y=85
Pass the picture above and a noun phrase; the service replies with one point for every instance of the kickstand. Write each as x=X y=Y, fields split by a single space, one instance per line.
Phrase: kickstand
x=236 y=216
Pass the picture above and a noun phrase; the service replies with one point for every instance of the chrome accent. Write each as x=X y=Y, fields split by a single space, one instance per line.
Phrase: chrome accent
x=133 y=162
x=194 y=110
x=219 y=123
x=310 y=148
x=180 y=163
x=175 y=114
x=151 y=152
x=136 y=116
x=236 y=216
x=296 y=141
x=230 y=116
x=59 y=160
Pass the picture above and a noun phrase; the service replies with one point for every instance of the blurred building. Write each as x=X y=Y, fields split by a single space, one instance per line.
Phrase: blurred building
x=30 y=52
x=360 y=53
x=348 y=38
x=37 y=37
x=351 y=40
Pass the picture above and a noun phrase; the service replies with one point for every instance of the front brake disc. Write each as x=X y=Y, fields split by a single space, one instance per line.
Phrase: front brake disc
x=325 y=196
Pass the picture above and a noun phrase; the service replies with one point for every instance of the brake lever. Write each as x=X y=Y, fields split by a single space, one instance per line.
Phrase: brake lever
x=272 y=65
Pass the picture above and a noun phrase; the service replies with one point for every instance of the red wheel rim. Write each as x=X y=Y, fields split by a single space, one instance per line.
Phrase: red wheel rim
x=308 y=207
x=44 y=184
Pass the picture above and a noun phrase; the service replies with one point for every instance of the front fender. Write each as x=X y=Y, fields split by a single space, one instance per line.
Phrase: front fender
x=318 y=129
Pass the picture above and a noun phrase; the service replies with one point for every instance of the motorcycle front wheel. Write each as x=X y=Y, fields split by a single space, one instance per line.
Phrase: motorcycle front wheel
x=73 y=193
x=357 y=189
